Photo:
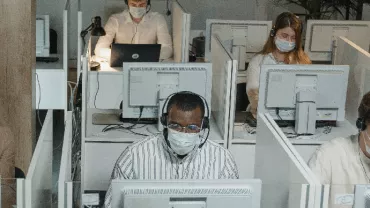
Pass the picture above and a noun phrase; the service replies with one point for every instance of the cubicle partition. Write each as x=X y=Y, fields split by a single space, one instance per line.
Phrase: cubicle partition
x=52 y=77
x=80 y=48
x=38 y=182
x=348 y=53
x=320 y=35
x=224 y=70
x=65 y=172
x=180 y=32
x=243 y=38
x=287 y=180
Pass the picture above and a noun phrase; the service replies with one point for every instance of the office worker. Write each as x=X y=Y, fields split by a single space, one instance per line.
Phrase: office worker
x=182 y=152
x=284 y=46
x=137 y=25
x=344 y=162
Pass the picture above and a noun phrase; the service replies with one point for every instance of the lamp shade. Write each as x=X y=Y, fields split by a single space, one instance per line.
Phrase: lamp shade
x=97 y=29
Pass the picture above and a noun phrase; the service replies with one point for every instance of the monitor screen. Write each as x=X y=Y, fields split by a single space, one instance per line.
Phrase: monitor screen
x=186 y=193
x=147 y=84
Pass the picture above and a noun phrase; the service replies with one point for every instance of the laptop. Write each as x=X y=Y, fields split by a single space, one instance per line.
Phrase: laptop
x=134 y=53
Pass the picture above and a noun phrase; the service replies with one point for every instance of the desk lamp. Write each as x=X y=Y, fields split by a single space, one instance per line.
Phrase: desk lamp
x=95 y=29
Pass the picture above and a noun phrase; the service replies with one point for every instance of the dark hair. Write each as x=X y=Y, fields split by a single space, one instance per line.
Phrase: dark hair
x=186 y=102
x=364 y=108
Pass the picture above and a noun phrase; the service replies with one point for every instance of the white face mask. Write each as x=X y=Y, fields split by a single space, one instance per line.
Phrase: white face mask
x=183 y=143
x=283 y=45
x=137 y=12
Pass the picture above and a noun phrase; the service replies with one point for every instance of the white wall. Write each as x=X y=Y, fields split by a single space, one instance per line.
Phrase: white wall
x=218 y=9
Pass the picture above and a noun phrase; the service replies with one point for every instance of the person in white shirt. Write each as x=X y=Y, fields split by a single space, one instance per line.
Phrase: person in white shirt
x=345 y=162
x=182 y=152
x=137 y=25
x=284 y=46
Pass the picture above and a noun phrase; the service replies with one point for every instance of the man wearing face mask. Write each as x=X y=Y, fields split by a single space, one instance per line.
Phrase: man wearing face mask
x=345 y=162
x=284 y=46
x=137 y=25
x=182 y=152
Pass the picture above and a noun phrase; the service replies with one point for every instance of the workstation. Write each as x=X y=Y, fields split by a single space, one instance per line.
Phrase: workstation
x=117 y=106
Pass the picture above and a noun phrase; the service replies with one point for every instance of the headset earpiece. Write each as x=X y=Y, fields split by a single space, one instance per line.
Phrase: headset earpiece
x=205 y=124
x=360 y=124
x=272 y=32
x=164 y=119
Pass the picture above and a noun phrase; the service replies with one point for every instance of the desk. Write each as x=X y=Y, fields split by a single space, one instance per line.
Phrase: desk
x=52 y=79
x=243 y=145
x=102 y=149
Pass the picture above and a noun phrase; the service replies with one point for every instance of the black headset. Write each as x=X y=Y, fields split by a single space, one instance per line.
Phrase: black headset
x=280 y=17
x=361 y=121
x=205 y=120
x=361 y=124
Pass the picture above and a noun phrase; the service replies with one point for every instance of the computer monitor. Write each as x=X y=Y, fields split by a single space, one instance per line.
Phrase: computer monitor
x=186 y=193
x=243 y=38
x=42 y=36
x=147 y=85
x=362 y=196
x=320 y=35
x=304 y=94
x=134 y=53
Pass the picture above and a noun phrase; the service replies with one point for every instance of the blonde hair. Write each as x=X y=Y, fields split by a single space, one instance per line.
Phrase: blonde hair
x=297 y=56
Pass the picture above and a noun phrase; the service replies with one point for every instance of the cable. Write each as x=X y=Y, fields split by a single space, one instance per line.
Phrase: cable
x=168 y=13
x=97 y=90
x=38 y=105
x=138 y=133
x=278 y=114
x=107 y=128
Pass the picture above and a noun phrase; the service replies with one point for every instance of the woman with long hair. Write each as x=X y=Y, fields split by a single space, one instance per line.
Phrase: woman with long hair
x=284 y=46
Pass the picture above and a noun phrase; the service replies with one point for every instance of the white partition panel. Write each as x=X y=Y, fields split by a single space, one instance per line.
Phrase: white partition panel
x=21 y=193
x=79 y=41
x=348 y=53
x=180 y=32
x=222 y=74
x=38 y=182
x=243 y=38
x=321 y=34
x=66 y=21
x=65 y=164
x=286 y=182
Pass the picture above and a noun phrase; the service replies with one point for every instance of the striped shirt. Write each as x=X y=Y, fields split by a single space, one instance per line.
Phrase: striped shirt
x=152 y=159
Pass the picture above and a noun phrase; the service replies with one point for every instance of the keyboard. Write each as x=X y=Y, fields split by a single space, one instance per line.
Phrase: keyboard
x=47 y=59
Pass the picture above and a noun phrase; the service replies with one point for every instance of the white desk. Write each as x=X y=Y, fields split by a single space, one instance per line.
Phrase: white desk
x=102 y=149
x=243 y=145
x=52 y=79
x=105 y=86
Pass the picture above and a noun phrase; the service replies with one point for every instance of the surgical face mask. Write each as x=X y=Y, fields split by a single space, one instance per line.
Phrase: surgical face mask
x=137 y=12
x=283 y=45
x=183 y=143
